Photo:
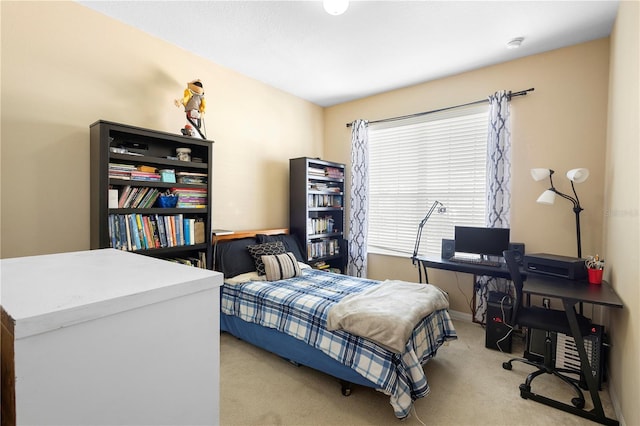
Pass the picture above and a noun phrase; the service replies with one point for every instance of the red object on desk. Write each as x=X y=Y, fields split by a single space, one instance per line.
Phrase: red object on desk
x=595 y=275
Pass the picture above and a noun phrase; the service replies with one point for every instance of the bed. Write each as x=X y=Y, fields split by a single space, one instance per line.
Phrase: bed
x=273 y=300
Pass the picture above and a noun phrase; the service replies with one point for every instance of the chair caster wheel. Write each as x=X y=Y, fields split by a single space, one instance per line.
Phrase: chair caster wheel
x=578 y=402
x=506 y=365
x=524 y=388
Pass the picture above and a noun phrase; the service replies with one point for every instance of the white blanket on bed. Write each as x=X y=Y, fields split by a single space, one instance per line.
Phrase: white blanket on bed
x=388 y=313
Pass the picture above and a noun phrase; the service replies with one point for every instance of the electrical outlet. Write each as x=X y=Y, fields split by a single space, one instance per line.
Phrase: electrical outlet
x=546 y=302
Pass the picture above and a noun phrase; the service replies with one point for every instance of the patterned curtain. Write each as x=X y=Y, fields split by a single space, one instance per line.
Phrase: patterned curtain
x=498 y=190
x=359 y=199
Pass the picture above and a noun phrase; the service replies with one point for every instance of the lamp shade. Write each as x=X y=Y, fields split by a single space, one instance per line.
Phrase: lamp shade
x=578 y=175
x=335 y=7
x=539 y=174
x=547 y=197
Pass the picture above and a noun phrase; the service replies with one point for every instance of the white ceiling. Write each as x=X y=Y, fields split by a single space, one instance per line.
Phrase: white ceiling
x=374 y=47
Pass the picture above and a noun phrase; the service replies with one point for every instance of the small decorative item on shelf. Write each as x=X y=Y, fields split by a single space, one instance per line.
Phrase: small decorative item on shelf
x=167 y=201
x=194 y=105
x=168 y=175
x=595 y=268
x=183 y=154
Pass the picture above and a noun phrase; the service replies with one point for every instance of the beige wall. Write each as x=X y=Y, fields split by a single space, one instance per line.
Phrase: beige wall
x=622 y=207
x=64 y=66
x=561 y=125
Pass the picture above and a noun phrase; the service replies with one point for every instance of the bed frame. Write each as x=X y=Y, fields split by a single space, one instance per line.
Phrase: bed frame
x=247 y=234
x=283 y=345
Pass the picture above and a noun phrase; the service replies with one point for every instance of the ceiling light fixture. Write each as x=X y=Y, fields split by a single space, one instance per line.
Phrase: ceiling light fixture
x=335 y=7
x=515 y=43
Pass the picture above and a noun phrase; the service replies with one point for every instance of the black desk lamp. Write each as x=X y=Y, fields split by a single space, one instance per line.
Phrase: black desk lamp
x=441 y=209
x=549 y=196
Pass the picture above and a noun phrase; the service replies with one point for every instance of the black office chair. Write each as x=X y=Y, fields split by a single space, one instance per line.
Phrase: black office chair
x=548 y=320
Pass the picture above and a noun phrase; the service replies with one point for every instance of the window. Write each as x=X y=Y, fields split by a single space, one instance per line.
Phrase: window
x=414 y=162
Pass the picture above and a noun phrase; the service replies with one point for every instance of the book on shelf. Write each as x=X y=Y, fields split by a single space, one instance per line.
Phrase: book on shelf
x=199 y=232
x=121 y=167
x=147 y=169
x=124 y=193
x=127 y=229
x=141 y=193
x=113 y=198
x=133 y=229
x=145 y=176
x=161 y=230
x=171 y=230
x=321 y=265
x=149 y=200
x=120 y=175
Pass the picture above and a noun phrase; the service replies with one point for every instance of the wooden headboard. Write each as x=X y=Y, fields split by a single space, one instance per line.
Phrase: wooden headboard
x=246 y=234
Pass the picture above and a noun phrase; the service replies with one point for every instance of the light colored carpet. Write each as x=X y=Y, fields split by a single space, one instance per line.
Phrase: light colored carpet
x=468 y=387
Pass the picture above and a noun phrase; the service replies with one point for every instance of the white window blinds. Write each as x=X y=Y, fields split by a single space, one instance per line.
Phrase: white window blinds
x=414 y=162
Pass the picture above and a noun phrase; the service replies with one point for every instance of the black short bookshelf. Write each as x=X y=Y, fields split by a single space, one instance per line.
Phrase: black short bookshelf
x=139 y=167
x=316 y=211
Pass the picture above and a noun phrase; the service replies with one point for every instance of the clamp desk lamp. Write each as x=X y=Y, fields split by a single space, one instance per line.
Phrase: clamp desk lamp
x=441 y=209
x=549 y=196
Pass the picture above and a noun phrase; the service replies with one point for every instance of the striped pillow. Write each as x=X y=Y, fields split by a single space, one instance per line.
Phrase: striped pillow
x=281 y=266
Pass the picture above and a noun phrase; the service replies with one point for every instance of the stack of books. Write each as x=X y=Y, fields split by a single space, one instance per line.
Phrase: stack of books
x=324 y=187
x=334 y=172
x=316 y=171
x=120 y=171
x=191 y=177
x=147 y=176
x=191 y=197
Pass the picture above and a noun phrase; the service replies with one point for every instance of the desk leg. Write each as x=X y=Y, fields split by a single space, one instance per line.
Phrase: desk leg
x=597 y=414
x=422 y=267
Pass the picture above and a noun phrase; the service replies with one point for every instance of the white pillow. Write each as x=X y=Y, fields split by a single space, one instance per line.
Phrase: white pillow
x=281 y=266
x=244 y=278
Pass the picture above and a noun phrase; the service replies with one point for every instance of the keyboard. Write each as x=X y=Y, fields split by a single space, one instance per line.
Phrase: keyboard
x=476 y=261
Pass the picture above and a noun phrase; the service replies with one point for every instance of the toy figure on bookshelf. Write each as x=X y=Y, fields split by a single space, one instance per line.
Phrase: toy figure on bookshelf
x=194 y=106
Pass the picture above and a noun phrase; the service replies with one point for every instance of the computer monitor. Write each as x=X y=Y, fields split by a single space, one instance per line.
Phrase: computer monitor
x=483 y=241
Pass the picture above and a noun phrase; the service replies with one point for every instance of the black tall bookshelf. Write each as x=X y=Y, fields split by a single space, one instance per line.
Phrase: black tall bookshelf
x=128 y=146
x=316 y=210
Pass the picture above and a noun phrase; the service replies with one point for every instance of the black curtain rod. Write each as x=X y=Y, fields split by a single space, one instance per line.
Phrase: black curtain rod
x=510 y=95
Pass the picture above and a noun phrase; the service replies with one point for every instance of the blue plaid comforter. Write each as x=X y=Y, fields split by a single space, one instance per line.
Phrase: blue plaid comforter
x=299 y=307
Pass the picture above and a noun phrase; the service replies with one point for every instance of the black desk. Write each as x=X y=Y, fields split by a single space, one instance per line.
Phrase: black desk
x=571 y=293
x=437 y=262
